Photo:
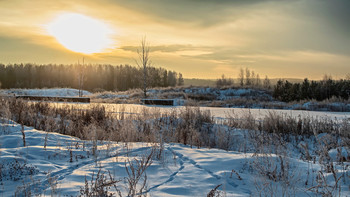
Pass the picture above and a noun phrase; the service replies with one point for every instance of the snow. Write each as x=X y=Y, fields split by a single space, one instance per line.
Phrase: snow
x=219 y=94
x=217 y=112
x=233 y=97
x=182 y=171
x=53 y=163
x=222 y=97
x=66 y=92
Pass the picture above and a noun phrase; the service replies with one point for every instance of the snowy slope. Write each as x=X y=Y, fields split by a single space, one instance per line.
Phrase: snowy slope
x=61 y=164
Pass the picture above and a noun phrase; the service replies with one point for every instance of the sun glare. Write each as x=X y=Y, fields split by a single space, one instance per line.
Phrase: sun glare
x=81 y=33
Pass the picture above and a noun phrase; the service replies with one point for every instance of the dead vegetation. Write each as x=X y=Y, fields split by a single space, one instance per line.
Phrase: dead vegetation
x=270 y=139
x=228 y=96
x=189 y=126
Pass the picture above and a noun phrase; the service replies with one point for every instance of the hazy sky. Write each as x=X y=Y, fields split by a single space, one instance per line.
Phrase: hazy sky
x=199 y=38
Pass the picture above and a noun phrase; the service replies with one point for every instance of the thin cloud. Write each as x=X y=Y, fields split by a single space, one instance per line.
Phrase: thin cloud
x=167 y=48
x=195 y=36
x=195 y=12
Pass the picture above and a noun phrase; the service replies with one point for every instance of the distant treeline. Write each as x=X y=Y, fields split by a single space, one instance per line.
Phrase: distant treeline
x=318 y=90
x=246 y=78
x=89 y=77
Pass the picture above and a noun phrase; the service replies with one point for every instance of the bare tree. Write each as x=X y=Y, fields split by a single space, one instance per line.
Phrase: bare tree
x=327 y=77
x=252 y=76
x=180 y=81
x=347 y=77
x=247 y=77
x=241 y=76
x=144 y=62
x=81 y=77
x=327 y=81
x=258 y=81
x=223 y=81
x=267 y=83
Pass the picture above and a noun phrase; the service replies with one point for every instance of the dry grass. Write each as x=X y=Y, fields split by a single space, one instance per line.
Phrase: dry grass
x=191 y=126
x=214 y=97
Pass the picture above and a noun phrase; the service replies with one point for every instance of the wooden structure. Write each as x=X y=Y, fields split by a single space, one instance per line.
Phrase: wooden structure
x=158 y=101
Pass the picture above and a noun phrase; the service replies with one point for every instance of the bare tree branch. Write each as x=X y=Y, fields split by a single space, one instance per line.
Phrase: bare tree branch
x=144 y=62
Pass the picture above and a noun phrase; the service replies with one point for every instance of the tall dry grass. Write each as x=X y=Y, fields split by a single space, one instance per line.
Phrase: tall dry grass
x=189 y=126
x=272 y=135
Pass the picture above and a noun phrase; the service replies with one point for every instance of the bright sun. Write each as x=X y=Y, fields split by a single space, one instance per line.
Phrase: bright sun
x=81 y=33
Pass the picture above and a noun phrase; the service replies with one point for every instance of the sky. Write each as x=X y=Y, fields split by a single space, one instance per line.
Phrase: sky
x=199 y=38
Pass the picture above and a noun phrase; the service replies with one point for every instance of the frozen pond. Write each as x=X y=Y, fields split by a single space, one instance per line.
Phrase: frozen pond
x=217 y=112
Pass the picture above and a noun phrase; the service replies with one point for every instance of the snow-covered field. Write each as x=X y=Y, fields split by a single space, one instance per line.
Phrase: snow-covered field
x=258 y=163
x=55 y=164
x=68 y=92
